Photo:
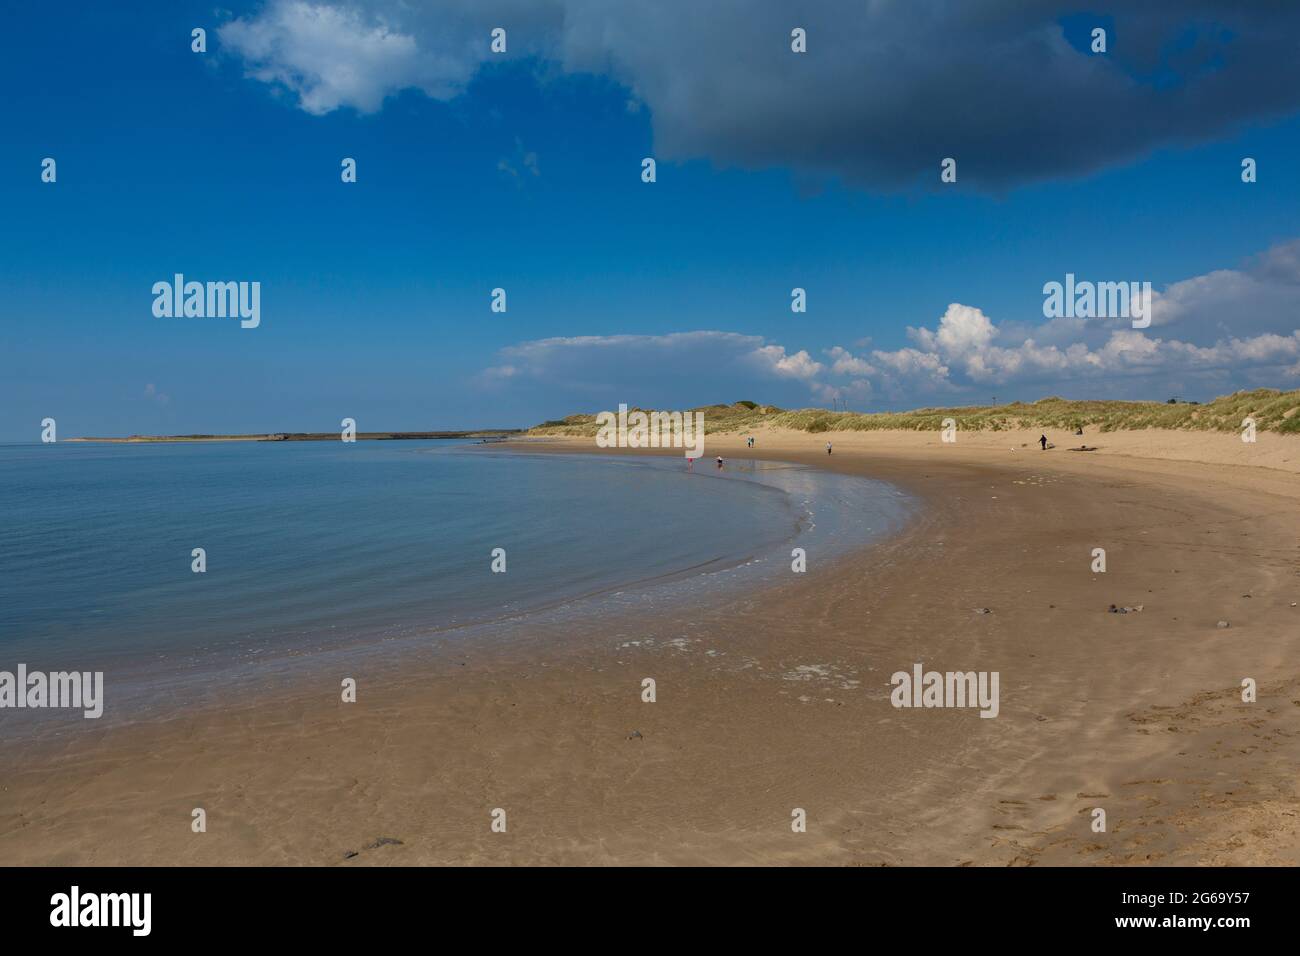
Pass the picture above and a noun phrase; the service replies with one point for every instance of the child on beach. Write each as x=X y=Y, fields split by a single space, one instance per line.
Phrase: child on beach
x=828 y=448
x=719 y=461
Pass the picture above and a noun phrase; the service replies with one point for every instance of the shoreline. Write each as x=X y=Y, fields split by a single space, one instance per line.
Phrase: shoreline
x=148 y=684
x=780 y=699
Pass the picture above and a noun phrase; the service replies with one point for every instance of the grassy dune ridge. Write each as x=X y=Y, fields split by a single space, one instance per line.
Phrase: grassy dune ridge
x=1272 y=410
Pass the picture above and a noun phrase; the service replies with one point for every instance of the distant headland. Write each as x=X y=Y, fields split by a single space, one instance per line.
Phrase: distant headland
x=485 y=433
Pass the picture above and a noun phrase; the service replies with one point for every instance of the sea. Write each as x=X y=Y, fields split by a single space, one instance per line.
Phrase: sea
x=315 y=550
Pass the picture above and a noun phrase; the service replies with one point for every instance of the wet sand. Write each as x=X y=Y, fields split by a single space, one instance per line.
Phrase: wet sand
x=779 y=700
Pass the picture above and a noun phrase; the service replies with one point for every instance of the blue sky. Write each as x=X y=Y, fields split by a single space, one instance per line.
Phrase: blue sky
x=776 y=170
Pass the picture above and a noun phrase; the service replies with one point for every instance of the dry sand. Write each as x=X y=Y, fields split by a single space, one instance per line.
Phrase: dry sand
x=780 y=699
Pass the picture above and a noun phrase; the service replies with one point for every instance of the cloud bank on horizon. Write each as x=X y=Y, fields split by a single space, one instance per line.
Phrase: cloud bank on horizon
x=969 y=353
x=1008 y=86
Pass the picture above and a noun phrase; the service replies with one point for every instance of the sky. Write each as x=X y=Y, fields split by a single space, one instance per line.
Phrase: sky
x=522 y=170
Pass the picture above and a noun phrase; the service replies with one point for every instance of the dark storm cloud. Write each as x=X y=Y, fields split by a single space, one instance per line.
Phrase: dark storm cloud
x=888 y=89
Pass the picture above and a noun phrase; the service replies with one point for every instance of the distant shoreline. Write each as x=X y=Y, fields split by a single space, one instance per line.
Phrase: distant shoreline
x=306 y=436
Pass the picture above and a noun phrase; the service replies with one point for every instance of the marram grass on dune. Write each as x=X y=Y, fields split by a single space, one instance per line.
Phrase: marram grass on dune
x=1271 y=409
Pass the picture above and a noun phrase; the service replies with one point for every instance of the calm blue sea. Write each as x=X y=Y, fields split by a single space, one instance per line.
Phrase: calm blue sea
x=319 y=546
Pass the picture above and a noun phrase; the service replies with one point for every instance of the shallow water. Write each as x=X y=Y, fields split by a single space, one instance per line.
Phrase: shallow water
x=317 y=547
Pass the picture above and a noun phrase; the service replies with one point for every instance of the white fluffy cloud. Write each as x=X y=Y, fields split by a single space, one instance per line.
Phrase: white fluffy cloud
x=773 y=358
x=1226 y=329
x=356 y=54
x=1230 y=311
x=331 y=56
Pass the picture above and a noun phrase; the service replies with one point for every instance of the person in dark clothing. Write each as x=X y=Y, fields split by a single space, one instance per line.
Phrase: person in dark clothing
x=1042 y=440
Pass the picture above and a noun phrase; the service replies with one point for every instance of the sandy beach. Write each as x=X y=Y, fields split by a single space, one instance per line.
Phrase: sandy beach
x=781 y=699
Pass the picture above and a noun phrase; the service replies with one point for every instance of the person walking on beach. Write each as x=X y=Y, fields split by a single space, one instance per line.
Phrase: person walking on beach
x=719 y=461
x=1042 y=440
x=828 y=448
